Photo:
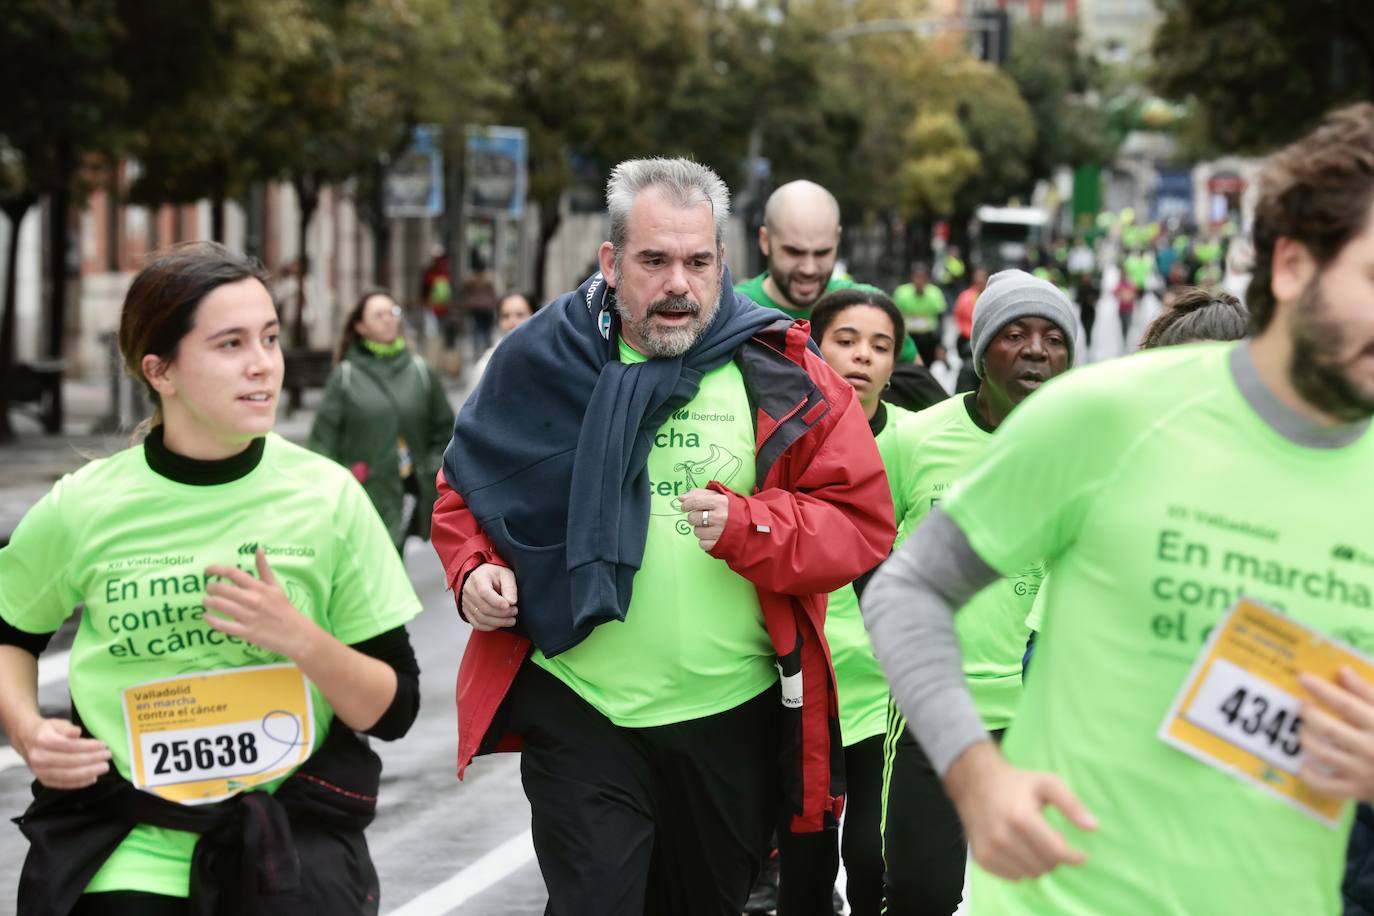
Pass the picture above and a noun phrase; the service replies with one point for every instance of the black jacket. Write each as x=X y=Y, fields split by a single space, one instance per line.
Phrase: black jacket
x=299 y=851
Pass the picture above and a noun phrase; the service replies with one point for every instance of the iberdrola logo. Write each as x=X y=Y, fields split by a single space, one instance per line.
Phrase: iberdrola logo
x=249 y=548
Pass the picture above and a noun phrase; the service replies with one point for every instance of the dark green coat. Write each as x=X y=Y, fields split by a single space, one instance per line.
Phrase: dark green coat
x=358 y=424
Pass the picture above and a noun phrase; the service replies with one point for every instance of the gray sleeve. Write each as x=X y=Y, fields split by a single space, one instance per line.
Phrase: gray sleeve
x=908 y=609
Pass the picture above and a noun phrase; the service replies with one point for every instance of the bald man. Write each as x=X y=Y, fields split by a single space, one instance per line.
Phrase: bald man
x=800 y=239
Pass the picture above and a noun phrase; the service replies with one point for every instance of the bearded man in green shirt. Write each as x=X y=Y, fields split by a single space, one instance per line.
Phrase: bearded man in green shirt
x=1256 y=456
x=800 y=239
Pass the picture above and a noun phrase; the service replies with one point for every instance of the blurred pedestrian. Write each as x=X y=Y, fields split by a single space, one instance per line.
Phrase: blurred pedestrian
x=436 y=292
x=477 y=300
x=514 y=310
x=963 y=311
x=923 y=307
x=385 y=417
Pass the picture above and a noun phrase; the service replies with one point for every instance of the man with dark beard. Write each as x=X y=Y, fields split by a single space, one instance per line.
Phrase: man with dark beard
x=800 y=240
x=644 y=504
x=1160 y=488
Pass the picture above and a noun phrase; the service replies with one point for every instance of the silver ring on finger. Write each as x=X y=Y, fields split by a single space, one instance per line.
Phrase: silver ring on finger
x=705 y=518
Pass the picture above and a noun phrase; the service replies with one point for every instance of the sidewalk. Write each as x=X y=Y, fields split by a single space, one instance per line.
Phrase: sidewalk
x=34 y=460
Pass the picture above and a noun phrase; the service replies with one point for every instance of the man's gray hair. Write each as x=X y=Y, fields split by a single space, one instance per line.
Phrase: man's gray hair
x=683 y=181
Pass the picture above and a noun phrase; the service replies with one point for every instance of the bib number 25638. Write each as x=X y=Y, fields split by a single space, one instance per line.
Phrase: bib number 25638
x=199 y=738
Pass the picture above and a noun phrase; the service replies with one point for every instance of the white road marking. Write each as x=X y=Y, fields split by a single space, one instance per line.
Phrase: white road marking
x=501 y=862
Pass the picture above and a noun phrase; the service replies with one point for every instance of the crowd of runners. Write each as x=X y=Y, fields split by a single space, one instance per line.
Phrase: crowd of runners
x=761 y=577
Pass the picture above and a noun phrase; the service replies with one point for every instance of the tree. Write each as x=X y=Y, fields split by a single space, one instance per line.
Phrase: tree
x=196 y=127
x=1261 y=72
x=590 y=79
x=64 y=102
x=371 y=72
x=1057 y=82
x=940 y=163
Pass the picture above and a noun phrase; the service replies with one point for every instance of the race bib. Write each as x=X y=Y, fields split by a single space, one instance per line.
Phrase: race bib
x=200 y=738
x=1239 y=709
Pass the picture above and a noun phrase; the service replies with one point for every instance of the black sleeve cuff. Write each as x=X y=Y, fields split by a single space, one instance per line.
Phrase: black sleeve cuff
x=393 y=647
x=32 y=643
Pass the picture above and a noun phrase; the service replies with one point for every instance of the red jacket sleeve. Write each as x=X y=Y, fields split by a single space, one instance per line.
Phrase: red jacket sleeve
x=458 y=539
x=829 y=525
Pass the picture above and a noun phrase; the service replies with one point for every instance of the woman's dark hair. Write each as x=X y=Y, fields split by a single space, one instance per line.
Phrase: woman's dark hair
x=160 y=306
x=1196 y=315
x=1316 y=191
x=823 y=314
x=348 y=336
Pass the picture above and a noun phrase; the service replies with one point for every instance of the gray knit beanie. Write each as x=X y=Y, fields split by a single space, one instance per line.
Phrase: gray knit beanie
x=1013 y=294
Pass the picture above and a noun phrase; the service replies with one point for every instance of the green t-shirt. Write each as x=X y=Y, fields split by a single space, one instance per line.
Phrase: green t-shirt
x=693 y=641
x=992 y=627
x=862 y=687
x=132 y=546
x=1138 y=268
x=754 y=290
x=1157 y=495
x=1036 y=618
x=922 y=310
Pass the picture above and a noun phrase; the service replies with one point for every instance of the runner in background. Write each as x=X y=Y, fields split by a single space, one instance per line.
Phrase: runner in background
x=1023 y=336
x=1087 y=477
x=923 y=308
x=800 y=241
x=963 y=311
x=241 y=595
x=857 y=331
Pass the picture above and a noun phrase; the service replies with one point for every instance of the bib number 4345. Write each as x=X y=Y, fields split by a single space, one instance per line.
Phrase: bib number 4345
x=1250 y=712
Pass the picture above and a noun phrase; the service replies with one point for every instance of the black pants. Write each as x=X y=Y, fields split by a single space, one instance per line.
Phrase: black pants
x=130 y=903
x=629 y=821
x=810 y=861
x=923 y=840
x=928 y=345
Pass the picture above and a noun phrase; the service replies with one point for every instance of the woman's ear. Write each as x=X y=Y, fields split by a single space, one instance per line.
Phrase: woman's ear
x=155 y=370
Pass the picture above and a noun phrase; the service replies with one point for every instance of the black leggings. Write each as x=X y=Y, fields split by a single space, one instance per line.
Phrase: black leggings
x=923 y=840
x=810 y=861
x=130 y=903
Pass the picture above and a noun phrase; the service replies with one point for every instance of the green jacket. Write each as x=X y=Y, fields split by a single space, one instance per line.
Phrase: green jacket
x=358 y=425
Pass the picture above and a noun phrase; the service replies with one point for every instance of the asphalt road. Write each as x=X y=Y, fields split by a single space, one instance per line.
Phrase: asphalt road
x=440 y=846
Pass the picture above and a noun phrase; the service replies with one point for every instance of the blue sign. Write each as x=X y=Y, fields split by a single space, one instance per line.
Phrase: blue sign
x=497 y=172
x=1173 y=195
x=415 y=181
